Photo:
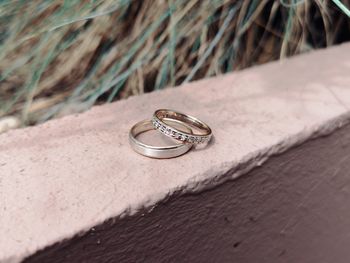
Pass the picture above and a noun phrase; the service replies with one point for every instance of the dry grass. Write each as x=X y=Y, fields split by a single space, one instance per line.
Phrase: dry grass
x=59 y=57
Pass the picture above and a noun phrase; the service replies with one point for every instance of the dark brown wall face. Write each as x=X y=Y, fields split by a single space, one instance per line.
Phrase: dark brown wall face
x=295 y=208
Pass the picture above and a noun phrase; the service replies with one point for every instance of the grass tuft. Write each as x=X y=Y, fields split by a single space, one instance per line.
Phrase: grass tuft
x=60 y=57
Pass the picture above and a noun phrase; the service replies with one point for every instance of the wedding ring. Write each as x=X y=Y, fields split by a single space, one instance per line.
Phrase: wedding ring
x=186 y=137
x=159 y=152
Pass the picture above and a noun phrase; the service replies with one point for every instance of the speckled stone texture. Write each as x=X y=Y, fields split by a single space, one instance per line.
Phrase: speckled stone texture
x=293 y=209
x=68 y=175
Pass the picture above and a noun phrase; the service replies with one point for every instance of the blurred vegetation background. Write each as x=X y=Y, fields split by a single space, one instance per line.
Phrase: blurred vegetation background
x=61 y=57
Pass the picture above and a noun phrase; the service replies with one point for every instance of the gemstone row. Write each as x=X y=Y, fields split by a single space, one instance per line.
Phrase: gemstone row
x=169 y=131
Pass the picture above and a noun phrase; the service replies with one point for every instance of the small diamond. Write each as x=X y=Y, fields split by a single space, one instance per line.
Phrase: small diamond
x=168 y=131
x=191 y=139
x=180 y=137
x=173 y=133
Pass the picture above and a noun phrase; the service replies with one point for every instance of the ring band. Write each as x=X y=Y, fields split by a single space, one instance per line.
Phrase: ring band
x=159 y=152
x=187 y=138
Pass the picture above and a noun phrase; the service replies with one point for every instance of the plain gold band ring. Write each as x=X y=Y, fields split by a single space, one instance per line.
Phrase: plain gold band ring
x=159 y=152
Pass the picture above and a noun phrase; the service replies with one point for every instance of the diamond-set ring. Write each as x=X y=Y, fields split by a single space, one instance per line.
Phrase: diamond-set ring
x=176 y=133
x=184 y=129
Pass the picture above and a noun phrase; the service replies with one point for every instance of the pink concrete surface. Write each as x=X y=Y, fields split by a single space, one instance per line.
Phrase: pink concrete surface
x=293 y=209
x=67 y=175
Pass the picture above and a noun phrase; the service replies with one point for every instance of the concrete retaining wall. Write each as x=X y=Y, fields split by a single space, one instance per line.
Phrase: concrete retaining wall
x=72 y=190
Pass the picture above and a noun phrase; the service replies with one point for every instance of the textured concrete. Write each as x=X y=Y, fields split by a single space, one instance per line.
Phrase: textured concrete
x=293 y=209
x=68 y=175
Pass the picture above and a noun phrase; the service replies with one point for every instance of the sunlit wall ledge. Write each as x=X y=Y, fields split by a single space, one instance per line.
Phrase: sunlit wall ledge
x=273 y=186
